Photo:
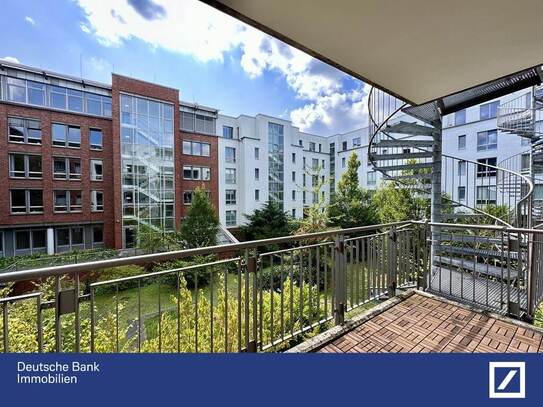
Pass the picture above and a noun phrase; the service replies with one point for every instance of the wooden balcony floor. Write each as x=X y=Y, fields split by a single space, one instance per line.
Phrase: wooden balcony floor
x=420 y=322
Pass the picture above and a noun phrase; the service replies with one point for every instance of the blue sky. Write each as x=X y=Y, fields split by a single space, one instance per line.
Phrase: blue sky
x=211 y=58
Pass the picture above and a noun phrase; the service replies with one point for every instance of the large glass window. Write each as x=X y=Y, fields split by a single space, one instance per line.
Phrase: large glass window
x=25 y=166
x=26 y=200
x=196 y=148
x=24 y=131
x=230 y=175
x=66 y=136
x=97 y=201
x=67 y=201
x=228 y=132
x=66 y=168
x=486 y=195
x=460 y=117
x=230 y=198
x=231 y=218
x=372 y=178
x=196 y=173
x=276 y=162
x=487 y=140
x=147 y=138
x=488 y=110
x=483 y=170
x=230 y=154
x=462 y=142
x=29 y=241
x=95 y=139
x=97 y=170
x=35 y=93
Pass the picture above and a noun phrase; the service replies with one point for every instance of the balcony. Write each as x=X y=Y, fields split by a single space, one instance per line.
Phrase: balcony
x=271 y=295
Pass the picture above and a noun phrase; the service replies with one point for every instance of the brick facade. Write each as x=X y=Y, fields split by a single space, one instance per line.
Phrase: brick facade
x=187 y=185
x=111 y=185
x=47 y=183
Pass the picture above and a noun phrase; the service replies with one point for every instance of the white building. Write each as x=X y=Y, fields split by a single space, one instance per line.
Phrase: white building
x=264 y=157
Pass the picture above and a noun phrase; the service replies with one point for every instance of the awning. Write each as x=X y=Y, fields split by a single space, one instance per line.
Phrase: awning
x=418 y=50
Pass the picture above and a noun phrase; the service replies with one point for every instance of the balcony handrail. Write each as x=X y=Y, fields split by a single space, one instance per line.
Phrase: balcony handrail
x=32 y=274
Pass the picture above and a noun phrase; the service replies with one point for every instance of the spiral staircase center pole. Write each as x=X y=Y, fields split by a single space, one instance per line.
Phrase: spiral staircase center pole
x=436 y=192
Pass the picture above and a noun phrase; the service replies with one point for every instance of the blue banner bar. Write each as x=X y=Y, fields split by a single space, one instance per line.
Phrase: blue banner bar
x=274 y=379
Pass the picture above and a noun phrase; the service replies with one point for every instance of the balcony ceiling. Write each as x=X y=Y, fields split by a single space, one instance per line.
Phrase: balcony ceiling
x=419 y=50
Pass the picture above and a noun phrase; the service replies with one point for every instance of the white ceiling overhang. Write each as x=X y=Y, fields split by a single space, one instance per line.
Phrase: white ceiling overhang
x=418 y=50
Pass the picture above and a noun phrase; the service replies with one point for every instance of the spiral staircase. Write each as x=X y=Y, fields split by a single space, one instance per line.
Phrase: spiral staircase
x=408 y=152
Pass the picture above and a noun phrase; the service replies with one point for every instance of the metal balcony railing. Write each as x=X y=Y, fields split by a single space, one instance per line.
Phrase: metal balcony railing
x=264 y=295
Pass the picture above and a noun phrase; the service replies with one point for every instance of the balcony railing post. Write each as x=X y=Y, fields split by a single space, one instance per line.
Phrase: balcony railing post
x=392 y=261
x=251 y=298
x=340 y=280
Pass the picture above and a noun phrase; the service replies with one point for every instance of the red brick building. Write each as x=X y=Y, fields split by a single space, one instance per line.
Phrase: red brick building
x=89 y=165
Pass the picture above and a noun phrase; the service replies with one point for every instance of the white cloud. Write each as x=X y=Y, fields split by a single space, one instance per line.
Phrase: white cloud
x=11 y=59
x=192 y=28
x=30 y=20
x=188 y=27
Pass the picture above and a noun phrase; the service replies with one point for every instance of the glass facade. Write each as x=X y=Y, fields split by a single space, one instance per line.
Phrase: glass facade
x=276 y=162
x=147 y=143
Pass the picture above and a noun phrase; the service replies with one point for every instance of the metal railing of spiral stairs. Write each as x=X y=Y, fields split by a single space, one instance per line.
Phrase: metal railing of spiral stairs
x=471 y=189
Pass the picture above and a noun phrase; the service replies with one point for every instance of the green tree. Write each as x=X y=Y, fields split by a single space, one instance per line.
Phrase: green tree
x=394 y=203
x=267 y=222
x=316 y=216
x=152 y=240
x=201 y=225
x=351 y=205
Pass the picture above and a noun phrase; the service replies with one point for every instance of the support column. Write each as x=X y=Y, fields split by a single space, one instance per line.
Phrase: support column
x=50 y=241
x=436 y=194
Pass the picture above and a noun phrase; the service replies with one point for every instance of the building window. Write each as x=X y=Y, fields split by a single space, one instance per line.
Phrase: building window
x=462 y=168
x=460 y=117
x=25 y=166
x=230 y=175
x=343 y=162
x=29 y=241
x=97 y=170
x=303 y=197
x=230 y=154
x=276 y=167
x=293 y=195
x=486 y=195
x=312 y=146
x=66 y=168
x=230 y=197
x=231 y=218
x=293 y=158
x=1 y=243
x=525 y=162
x=196 y=148
x=95 y=139
x=257 y=153
x=66 y=136
x=97 y=236
x=344 y=145
x=26 y=200
x=97 y=201
x=304 y=179
x=320 y=148
x=187 y=197
x=196 y=173
x=315 y=164
x=488 y=110
x=461 y=193
x=204 y=124
x=357 y=142
x=300 y=143
x=228 y=132
x=323 y=164
x=16 y=90
x=257 y=195
x=462 y=142
x=257 y=174
x=293 y=176
x=372 y=178
x=483 y=170
x=487 y=140
x=67 y=201
x=70 y=238
x=24 y=131
x=293 y=212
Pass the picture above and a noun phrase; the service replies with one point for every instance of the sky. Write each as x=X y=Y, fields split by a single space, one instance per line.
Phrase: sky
x=213 y=59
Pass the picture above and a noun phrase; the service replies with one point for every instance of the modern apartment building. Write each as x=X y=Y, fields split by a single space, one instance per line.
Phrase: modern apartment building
x=264 y=158
x=89 y=165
